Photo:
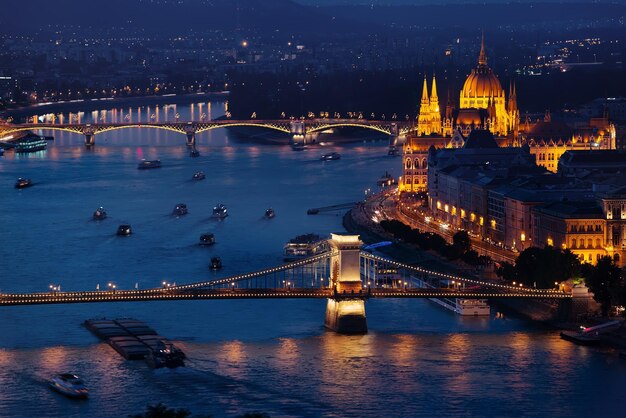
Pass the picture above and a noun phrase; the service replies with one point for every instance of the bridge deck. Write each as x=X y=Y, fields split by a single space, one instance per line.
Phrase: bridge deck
x=137 y=296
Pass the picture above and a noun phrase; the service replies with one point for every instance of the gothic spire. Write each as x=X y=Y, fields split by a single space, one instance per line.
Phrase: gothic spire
x=433 y=94
x=425 y=100
x=482 y=58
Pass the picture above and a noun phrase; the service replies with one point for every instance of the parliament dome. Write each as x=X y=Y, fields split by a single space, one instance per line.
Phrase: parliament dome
x=482 y=82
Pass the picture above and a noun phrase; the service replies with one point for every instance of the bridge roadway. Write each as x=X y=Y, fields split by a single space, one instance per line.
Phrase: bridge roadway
x=47 y=298
x=295 y=126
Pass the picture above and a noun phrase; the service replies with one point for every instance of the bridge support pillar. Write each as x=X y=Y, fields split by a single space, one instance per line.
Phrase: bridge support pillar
x=298 y=132
x=345 y=312
x=191 y=139
x=90 y=139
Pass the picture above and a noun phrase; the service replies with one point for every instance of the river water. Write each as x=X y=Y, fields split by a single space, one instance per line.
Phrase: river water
x=246 y=355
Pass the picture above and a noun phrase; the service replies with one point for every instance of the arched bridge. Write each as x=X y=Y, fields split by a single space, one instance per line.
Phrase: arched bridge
x=190 y=129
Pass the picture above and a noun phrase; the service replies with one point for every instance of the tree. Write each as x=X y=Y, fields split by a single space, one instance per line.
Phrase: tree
x=507 y=271
x=606 y=284
x=544 y=266
x=461 y=242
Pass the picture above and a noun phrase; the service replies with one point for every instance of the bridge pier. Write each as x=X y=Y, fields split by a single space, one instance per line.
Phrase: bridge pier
x=191 y=138
x=345 y=312
x=90 y=139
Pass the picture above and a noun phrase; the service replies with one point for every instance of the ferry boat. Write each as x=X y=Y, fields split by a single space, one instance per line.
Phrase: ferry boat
x=31 y=144
x=180 y=209
x=216 y=263
x=460 y=306
x=23 y=183
x=331 y=156
x=99 y=214
x=194 y=153
x=220 y=211
x=124 y=230
x=146 y=164
x=207 y=239
x=269 y=213
x=199 y=176
x=304 y=246
x=165 y=355
x=69 y=385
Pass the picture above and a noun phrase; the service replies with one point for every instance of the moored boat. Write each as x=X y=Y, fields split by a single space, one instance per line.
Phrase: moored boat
x=23 y=183
x=99 y=214
x=386 y=180
x=69 y=385
x=32 y=143
x=146 y=164
x=304 y=246
x=220 y=211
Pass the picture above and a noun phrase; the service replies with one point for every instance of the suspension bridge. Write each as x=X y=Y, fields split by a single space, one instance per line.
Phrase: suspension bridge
x=345 y=276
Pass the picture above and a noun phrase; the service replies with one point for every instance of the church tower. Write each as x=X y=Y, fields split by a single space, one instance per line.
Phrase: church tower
x=435 y=113
x=423 y=119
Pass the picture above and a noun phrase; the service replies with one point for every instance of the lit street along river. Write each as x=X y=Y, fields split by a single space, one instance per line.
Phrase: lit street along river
x=246 y=355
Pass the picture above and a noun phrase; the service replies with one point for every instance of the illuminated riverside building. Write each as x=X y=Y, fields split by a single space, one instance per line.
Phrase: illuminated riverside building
x=483 y=105
x=501 y=195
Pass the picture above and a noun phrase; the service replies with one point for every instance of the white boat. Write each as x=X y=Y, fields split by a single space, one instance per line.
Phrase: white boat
x=331 y=156
x=460 y=306
x=69 y=385
x=304 y=246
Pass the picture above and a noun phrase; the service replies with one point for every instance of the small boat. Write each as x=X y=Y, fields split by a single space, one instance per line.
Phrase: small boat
x=298 y=147
x=207 y=239
x=393 y=151
x=23 y=183
x=99 y=214
x=194 y=153
x=216 y=263
x=220 y=211
x=331 y=156
x=180 y=209
x=124 y=230
x=69 y=385
x=199 y=175
x=146 y=164
x=269 y=213
x=1 y=152
x=165 y=355
x=386 y=180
